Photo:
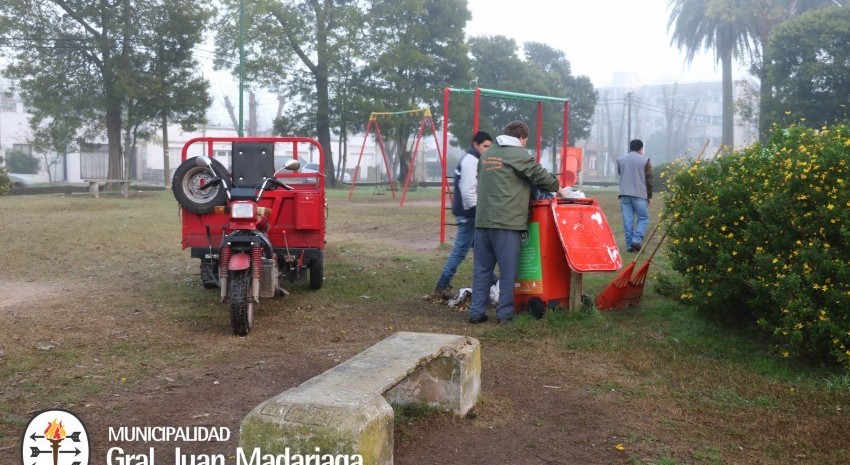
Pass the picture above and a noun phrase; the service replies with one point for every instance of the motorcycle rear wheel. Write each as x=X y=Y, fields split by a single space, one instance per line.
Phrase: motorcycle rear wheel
x=241 y=306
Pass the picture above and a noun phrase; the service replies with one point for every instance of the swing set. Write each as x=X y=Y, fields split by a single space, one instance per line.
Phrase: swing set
x=425 y=120
x=570 y=161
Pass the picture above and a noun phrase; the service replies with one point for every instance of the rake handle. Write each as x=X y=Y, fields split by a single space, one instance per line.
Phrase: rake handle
x=646 y=241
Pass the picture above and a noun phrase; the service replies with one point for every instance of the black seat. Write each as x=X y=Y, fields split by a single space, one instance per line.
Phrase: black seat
x=251 y=163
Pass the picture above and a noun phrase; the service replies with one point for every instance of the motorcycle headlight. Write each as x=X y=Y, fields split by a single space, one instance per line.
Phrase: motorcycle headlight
x=242 y=210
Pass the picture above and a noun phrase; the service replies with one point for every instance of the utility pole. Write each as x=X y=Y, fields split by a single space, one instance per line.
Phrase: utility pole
x=629 y=123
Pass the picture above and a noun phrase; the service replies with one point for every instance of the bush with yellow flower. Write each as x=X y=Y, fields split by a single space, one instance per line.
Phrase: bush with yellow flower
x=762 y=235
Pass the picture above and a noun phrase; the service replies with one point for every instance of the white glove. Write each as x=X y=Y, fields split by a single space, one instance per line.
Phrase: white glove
x=565 y=191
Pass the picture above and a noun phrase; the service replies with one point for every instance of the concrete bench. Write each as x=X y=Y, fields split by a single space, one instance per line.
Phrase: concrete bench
x=94 y=186
x=347 y=409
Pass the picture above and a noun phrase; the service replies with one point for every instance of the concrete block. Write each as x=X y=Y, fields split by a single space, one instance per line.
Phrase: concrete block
x=347 y=409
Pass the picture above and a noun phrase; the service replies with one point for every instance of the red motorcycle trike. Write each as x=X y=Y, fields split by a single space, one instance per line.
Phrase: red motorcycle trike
x=255 y=225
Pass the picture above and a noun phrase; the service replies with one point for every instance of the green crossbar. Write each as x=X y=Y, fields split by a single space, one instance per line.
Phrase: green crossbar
x=510 y=95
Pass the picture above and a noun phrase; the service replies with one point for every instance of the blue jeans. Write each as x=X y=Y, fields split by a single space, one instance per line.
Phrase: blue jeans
x=634 y=211
x=463 y=241
x=494 y=246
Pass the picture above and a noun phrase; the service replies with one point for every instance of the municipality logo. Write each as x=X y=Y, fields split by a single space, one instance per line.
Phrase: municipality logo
x=55 y=437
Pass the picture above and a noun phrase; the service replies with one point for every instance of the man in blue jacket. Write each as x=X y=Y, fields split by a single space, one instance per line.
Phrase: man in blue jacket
x=464 y=200
x=635 y=172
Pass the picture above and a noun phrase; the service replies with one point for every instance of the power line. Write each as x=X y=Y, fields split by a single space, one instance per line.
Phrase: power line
x=664 y=110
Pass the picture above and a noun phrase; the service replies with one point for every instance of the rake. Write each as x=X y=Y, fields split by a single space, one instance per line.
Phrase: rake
x=611 y=298
x=633 y=292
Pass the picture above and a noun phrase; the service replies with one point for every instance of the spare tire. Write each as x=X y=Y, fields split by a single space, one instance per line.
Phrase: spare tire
x=188 y=180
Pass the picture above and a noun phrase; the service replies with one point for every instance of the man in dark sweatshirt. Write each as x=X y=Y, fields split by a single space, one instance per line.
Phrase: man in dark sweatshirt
x=506 y=174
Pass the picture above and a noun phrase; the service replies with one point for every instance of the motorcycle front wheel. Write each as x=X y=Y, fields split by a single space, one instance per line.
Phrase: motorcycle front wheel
x=241 y=306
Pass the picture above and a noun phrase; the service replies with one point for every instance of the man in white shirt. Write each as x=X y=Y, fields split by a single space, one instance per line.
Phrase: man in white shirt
x=464 y=200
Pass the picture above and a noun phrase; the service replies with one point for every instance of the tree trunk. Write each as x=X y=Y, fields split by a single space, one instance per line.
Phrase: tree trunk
x=727 y=132
x=113 y=137
x=230 y=112
x=323 y=125
x=128 y=151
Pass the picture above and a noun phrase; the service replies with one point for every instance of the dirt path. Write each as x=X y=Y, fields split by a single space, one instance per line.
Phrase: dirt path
x=14 y=294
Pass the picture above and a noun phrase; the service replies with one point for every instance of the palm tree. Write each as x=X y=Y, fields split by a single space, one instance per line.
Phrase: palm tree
x=713 y=25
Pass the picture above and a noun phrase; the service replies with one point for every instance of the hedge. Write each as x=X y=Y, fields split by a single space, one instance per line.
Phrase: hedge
x=762 y=235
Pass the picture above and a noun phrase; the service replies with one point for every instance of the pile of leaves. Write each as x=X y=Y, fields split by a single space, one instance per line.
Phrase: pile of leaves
x=762 y=235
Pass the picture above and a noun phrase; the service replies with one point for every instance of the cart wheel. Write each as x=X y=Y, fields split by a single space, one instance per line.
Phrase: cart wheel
x=536 y=307
x=188 y=180
x=317 y=271
x=241 y=307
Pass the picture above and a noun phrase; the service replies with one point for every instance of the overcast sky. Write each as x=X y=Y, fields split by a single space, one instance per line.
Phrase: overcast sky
x=599 y=37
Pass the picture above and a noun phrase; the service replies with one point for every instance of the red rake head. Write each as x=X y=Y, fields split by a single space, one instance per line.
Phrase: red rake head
x=634 y=291
x=639 y=278
x=612 y=296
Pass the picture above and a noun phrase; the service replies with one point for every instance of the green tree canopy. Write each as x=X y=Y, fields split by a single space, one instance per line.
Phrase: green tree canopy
x=77 y=62
x=291 y=48
x=418 y=50
x=806 y=68
x=544 y=71
x=560 y=82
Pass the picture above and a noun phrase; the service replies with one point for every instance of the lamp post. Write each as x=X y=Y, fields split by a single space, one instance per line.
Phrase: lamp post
x=241 y=60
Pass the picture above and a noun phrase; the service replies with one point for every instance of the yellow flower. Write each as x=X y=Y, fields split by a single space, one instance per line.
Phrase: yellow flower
x=619 y=447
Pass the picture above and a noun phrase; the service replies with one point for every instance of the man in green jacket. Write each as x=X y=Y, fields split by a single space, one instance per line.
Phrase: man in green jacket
x=506 y=174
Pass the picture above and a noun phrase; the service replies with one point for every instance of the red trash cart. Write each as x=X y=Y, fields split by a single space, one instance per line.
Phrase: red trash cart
x=565 y=238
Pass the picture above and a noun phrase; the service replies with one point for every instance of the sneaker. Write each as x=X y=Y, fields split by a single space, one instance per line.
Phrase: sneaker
x=635 y=247
x=480 y=319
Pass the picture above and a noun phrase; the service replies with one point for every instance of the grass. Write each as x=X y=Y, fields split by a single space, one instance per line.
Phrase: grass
x=684 y=390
